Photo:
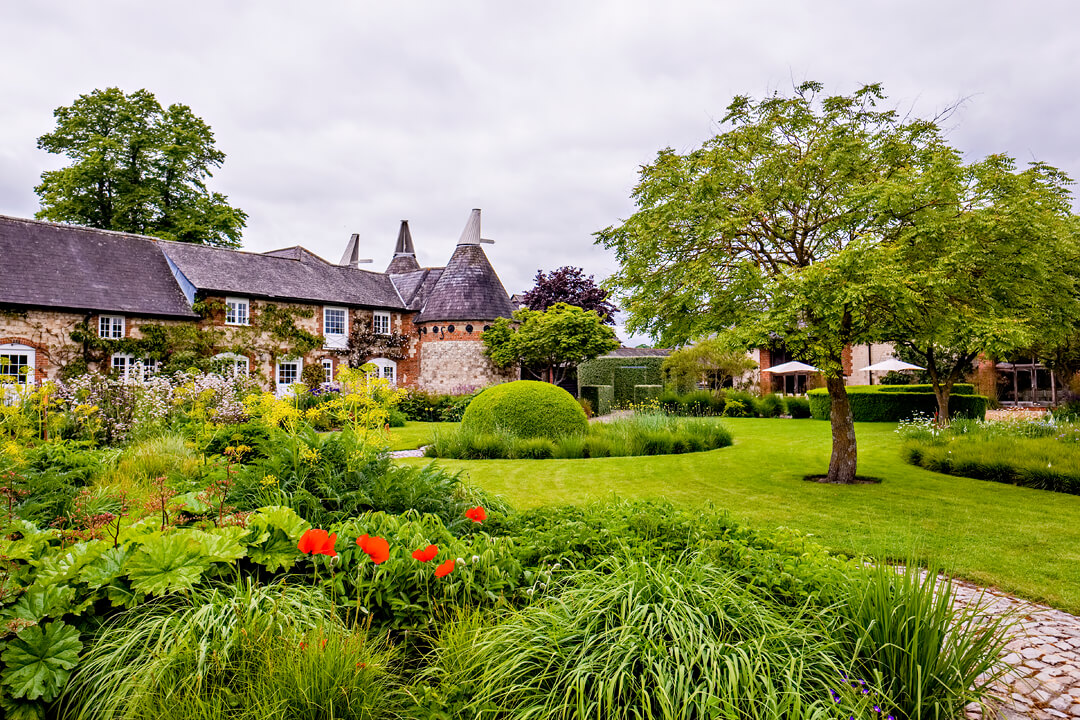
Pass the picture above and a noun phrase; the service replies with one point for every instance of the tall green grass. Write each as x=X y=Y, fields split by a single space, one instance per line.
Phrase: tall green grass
x=232 y=651
x=641 y=434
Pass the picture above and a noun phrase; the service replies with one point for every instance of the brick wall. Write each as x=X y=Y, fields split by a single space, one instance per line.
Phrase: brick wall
x=450 y=355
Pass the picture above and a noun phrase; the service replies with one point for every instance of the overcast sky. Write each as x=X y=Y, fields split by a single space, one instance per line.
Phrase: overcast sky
x=343 y=117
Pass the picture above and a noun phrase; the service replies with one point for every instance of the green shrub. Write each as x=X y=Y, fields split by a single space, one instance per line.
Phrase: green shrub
x=737 y=408
x=797 y=407
x=645 y=639
x=929 y=655
x=643 y=394
x=526 y=408
x=533 y=449
x=748 y=401
x=601 y=396
x=893 y=403
x=622 y=374
x=769 y=406
x=596 y=446
x=396 y=418
x=958 y=388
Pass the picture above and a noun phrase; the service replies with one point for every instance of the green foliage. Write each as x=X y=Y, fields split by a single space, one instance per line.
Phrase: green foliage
x=602 y=397
x=643 y=434
x=706 y=364
x=423 y=406
x=557 y=338
x=39 y=660
x=892 y=403
x=622 y=374
x=771 y=405
x=798 y=407
x=168 y=563
x=137 y=167
x=525 y=408
x=929 y=655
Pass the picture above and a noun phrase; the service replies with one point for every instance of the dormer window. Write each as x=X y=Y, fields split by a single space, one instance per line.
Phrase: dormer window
x=237 y=311
x=336 y=327
x=382 y=323
x=111 y=327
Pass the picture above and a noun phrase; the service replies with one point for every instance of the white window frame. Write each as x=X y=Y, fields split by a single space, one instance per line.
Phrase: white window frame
x=29 y=377
x=336 y=340
x=234 y=305
x=150 y=367
x=241 y=362
x=299 y=362
x=378 y=316
x=387 y=369
x=111 y=327
x=328 y=369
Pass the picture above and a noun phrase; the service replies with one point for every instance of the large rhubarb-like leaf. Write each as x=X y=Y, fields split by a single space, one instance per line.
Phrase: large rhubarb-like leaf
x=165 y=563
x=221 y=544
x=106 y=568
x=42 y=601
x=273 y=533
x=39 y=660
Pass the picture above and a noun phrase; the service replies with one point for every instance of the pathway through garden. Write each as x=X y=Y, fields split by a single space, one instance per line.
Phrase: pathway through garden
x=1044 y=650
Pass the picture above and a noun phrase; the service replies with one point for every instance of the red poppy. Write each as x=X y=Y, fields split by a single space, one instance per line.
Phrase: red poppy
x=376 y=548
x=317 y=542
x=476 y=514
x=426 y=554
x=445 y=569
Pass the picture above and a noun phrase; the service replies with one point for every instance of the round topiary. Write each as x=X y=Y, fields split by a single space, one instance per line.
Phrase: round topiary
x=527 y=409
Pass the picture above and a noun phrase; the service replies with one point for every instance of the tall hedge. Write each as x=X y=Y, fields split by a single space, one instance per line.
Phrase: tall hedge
x=601 y=397
x=527 y=409
x=622 y=374
x=957 y=389
x=884 y=403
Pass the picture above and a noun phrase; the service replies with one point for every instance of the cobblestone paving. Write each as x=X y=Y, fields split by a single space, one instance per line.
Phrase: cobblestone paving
x=1044 y=651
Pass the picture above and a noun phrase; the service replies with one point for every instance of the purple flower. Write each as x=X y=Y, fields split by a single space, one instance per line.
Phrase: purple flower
x=877 y=709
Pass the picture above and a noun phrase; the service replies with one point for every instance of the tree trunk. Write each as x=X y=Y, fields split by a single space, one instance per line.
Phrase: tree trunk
x=842 y=462
x=942 y=391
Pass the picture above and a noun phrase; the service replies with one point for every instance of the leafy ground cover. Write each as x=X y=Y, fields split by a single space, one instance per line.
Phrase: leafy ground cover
x=1021 y=540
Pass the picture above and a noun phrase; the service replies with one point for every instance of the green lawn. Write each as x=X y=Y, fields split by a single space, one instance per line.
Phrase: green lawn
x=1020 y=540
x=413 y=435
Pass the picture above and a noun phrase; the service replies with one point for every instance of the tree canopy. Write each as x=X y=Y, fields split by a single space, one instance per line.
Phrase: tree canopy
x=570 y=285
x=708 y=363
x=777 y=228
x=557 y=339
x=137 y=167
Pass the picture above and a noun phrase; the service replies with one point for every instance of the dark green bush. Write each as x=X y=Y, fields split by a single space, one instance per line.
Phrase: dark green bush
x=602 y=397
x=525 y=408
x=737 y=408
x=622 y=374
x=892 y=403
x=769 y=406
x=797 y=407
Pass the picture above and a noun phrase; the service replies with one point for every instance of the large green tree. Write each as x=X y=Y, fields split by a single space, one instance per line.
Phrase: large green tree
x=778 y=227
x=707 y=364
x=990 y=268
x=556 y=339
x=137 y=167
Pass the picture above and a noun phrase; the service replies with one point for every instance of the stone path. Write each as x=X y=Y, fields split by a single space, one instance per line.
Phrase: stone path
x=419 y=452
x=1044 y=650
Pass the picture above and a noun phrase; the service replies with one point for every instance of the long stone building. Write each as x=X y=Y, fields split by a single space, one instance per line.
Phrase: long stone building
x=80 y=298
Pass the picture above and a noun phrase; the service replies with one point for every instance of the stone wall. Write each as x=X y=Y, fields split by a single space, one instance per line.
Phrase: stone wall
x=450 y=365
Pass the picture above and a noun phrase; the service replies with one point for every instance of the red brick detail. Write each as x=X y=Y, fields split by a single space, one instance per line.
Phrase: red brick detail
x=846 y=360
x=41 y=355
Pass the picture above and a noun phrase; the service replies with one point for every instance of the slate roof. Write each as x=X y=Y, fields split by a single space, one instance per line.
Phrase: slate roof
x=629 y=352
x=44 y=264
x=404 y=260
x=306 y=279
x=468 y=289
x=415 y=287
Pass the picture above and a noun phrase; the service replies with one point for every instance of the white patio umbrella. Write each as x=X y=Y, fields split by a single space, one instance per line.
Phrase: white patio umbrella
x=890 y=364
x=790 y=368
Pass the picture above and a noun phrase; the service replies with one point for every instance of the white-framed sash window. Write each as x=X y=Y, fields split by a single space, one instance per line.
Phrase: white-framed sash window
x=288 y=373
x=111 y=327
x=125 y=365
x=240 y=363
x=17 y=364
x=328 y=370
x=387 y=369
x=336 y=327
x=381 y=323
x=237 y=311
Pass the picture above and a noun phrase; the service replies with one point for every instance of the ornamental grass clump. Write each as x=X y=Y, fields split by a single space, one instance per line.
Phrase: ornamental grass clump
x=638 y=638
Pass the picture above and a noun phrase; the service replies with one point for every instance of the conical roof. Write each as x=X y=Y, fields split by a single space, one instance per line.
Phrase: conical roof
x=404 y=253
x=468 y=288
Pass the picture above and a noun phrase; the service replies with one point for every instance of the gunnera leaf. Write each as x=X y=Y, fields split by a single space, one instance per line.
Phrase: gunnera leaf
x=42 y=601
x=165 y=563
x=39 y=660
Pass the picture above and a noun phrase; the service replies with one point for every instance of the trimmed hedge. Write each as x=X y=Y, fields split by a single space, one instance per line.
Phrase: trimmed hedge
x=602 y=397
x=645 y=393
x=957 y=389
x=875 y=403
x=526 y=409
x=622 y=374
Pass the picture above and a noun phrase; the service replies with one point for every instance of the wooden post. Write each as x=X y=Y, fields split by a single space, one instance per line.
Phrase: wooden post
x=1053 y=389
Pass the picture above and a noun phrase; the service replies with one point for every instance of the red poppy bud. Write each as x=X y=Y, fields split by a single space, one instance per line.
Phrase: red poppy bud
x=426 y=554
x=445 y=569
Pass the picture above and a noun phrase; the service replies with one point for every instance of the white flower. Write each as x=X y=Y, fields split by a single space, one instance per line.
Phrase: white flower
x=461 y=561
x=475 y=559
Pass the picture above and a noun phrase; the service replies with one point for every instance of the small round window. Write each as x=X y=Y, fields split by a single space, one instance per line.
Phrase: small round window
x=449 y=328
x=486 y=328
x=468 y=328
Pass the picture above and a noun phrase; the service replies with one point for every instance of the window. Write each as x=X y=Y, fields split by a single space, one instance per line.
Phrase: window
x=230 y=361
x=237 y=311
x=386 y=369
x=111 y=327
x=16 y=365
x=335 y=327
x=328 y=370
x=126 y=366
x=382 y=323
x=288 y=373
